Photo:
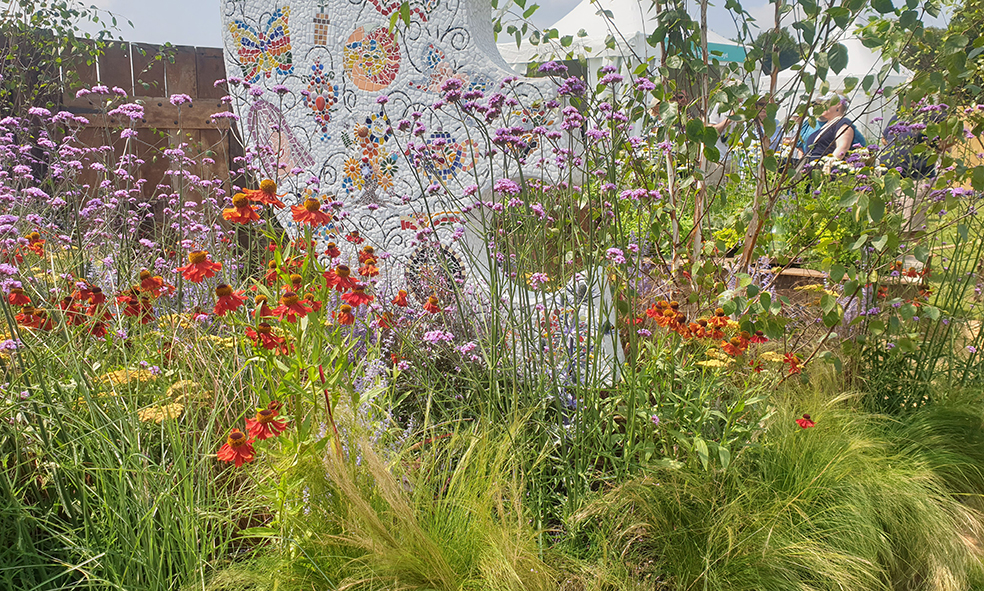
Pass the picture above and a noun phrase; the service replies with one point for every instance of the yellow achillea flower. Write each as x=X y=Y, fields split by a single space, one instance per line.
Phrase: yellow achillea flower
x=172 y=321
x=184 y=390
x=714 y=363
x=125 y=377
x=227 y=342
x=158 y=414
x=714 y=353
x=772 y=356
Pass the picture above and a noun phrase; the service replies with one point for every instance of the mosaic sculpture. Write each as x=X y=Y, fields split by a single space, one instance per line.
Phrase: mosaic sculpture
x=336 y=100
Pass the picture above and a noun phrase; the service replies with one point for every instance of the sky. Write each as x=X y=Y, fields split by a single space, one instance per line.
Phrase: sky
x=197 y=22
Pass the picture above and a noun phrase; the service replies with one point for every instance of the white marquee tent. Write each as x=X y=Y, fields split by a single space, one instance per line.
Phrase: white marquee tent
x=630 y=24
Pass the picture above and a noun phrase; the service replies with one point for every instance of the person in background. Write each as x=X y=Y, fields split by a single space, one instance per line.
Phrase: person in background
x=836 y=136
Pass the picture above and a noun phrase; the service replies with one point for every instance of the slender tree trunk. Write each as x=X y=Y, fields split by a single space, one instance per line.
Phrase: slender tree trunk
x=761 y=214
x=700 y=201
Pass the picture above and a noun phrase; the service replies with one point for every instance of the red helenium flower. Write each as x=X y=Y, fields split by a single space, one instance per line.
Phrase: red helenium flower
x=310 y=213
x=291 y=308
x=401 y=299
x=340 y=278
x=17 y=297
x=228 y=300
x=344 y=315
x=265 y=425
x=367 y=253
x=357 y=296
x=805 y=422
x=237 y=449
x=199 y=267
x=266 y=194
x=263 y=336
x=262 y=308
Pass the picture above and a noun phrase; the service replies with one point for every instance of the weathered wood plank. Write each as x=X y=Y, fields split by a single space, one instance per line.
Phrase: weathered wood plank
x=115 y=67
x=182 y=73
x=211 y=67
x=148 y=70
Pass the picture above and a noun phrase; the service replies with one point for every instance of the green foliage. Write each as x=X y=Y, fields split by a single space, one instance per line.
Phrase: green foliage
x=37 y=36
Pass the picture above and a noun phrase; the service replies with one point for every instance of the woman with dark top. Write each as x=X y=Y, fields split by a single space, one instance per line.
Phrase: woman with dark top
x=836 y=134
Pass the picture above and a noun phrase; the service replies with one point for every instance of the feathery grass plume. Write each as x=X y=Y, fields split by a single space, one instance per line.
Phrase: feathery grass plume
x=446 y=514
x=833 y=507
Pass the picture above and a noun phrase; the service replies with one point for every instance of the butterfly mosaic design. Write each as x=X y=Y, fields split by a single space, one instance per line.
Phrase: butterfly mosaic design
x=262 y=52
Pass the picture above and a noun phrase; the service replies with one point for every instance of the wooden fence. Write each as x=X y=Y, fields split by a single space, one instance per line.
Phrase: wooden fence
x=151 y=78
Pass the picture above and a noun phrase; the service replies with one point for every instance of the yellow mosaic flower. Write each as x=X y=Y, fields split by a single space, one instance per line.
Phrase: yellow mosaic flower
x=158 y=414
x=125 y=377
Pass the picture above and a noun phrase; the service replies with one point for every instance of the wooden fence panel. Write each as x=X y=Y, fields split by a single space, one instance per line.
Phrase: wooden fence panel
x=150 y=81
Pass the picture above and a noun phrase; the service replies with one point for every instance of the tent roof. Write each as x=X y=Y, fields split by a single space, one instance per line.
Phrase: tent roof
x=632 y=20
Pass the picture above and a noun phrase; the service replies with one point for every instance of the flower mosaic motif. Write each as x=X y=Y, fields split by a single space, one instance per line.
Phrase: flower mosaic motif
x=369 y=171
x=372 y=61
x=263 y=51
x=321 y=97
x=418 y=10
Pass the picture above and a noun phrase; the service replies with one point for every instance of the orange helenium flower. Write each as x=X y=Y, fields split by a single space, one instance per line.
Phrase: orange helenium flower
x=199 y=267
x=241 y=211
x=266 y=194
x=345 y=315
x=237 y=449
x=154 y=284
x=432 y=305
x=310 y=213
x=401 y=298
x=265 y=425
x=291 y=308
x=331 y=250
x=357 y=296
x=228 y=300
x=35 y=244
x=369 y=269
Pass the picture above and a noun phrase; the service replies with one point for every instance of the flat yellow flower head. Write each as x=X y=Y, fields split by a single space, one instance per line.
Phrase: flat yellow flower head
x=125 y=377
x=159 y=414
